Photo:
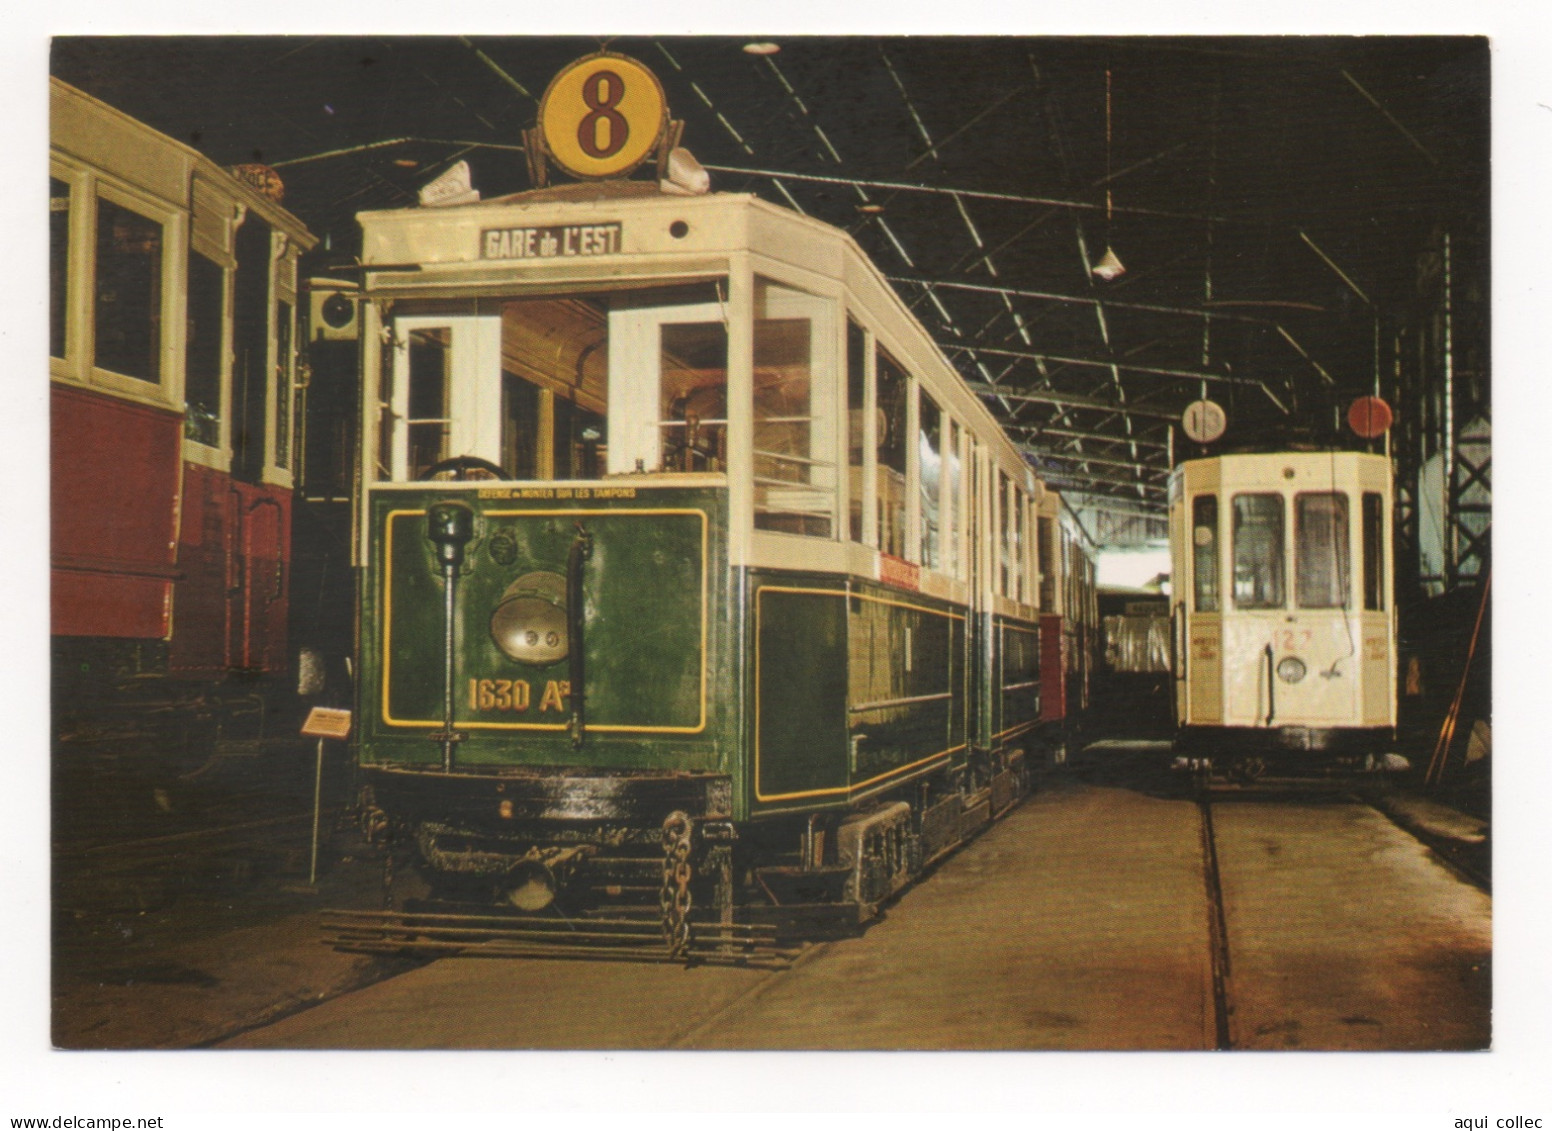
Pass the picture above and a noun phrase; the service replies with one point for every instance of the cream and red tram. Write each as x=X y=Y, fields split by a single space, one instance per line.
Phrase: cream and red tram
x=1283 y=617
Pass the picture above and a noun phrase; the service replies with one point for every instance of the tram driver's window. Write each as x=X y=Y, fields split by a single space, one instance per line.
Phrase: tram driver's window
x=1322 y=569
x=1258 y=551
x=1204 y=552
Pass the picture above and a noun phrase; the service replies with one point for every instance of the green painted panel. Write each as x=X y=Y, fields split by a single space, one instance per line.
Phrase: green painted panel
x=800 y=688
x=656 y=628
x=906 y=702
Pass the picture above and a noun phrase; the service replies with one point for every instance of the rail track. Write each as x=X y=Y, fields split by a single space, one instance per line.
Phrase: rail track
x=1465 y=861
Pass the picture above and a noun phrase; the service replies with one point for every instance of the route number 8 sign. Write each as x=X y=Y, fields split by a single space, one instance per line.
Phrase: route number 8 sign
x=602 y=116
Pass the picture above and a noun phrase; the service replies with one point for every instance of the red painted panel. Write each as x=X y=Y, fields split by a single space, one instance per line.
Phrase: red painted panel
x=199 y=612
x=265 y=546
x=113 y=486
x=1053 y=672
x=230 y=611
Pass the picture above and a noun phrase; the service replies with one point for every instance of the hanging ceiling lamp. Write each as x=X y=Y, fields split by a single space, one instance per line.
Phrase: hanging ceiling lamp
x=1109 y=266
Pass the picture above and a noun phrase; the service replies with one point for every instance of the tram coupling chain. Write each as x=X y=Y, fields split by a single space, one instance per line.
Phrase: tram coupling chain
x=674 y=896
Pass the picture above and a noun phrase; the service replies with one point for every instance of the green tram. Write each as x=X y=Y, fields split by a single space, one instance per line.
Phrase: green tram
x=695 y=577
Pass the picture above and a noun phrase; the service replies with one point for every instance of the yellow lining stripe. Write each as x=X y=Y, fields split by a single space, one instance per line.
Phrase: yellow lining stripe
x=386 y=620
x=857 y=786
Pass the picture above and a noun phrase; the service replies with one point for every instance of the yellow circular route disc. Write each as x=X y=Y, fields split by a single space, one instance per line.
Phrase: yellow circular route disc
x=602 y=115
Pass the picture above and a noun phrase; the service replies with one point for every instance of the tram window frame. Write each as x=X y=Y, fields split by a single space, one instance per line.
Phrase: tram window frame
x=1373 y=537
x=204 y=394
x=1322 y=580
x=107 y=314
x=893 y=414
x=1276 y=594
x=1206 y=559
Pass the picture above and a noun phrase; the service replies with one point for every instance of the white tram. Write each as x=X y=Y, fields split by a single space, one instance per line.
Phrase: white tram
x=1283 y=617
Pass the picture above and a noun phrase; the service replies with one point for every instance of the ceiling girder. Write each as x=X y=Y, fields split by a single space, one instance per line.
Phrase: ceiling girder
x=1070 y=400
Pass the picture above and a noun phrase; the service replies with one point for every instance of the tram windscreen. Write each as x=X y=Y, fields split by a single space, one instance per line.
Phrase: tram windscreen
x=1322 y=566
x=1258 y=551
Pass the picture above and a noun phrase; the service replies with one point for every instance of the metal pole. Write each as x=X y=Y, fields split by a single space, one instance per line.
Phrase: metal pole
x=312 y=871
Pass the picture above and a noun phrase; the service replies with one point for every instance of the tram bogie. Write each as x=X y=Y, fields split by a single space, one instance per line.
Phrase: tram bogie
x=1283 y=617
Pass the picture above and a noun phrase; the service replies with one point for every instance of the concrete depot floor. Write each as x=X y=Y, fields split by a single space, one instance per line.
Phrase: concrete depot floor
x=1079 y=922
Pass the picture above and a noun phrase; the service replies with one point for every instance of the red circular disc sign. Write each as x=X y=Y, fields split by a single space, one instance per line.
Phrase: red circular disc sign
x=1369 y=417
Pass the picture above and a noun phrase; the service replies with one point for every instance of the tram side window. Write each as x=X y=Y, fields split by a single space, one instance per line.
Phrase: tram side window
x=59 y=265
x=1258 y=551
x=1373 y=550
x=1045 y=545
x=893 y=385
x=429 y=356
x=856 y=412
x=1020 y=564
x=951 y=481
x=794 y=412
x=128 y=293
x=1204 y=552
x=1005 y=538
x=929 y=454
x=1322 y=568
x=202 y=359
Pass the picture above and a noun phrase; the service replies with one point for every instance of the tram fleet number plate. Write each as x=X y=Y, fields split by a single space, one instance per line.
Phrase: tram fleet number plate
x=560 y=241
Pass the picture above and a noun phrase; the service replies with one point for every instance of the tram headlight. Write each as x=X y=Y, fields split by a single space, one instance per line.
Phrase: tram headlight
x=1291 y=669
x=529 y=622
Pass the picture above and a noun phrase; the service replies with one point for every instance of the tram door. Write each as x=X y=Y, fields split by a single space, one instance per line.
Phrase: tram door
x=1199 y=645
x=256 y=527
